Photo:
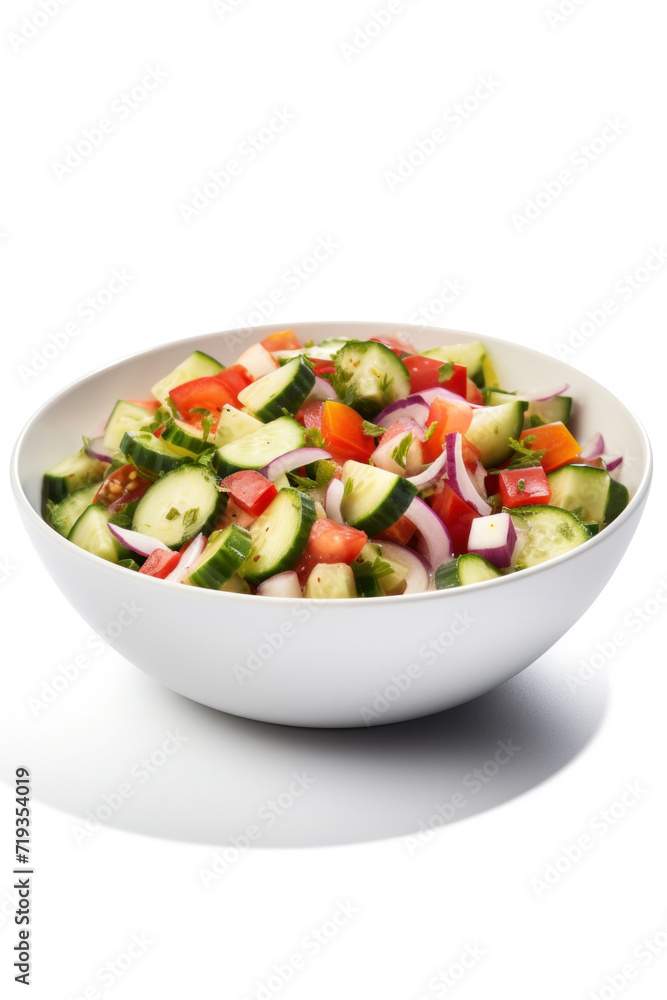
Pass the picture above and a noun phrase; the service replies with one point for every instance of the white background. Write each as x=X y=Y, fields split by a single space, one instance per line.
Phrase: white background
x=356 y=105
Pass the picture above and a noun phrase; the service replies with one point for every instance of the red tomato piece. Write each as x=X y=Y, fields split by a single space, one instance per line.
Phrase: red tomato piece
x=235 y=378
x=392 y=343
x=456 y=515
x=555 y=439
x=330 y=542
x=120 y=487
x=250 y=490
x=523 y=487
x=160 y=563
x=283 y=340
x=311 y=415
x=425 y=374
x=401 y=532
x=449 y=415
x=206 y=393
x=322 y=366
x=343 y=433
x=473 y=393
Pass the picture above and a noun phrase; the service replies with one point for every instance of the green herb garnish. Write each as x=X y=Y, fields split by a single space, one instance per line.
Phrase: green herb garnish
x=190 y=517
x=373 y=430
x=400 y=452
x=445 y=371
x=349 y=486
x=172 y=514
x=207 y=420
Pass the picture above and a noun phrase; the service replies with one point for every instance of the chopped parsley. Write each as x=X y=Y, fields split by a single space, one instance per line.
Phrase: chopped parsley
x=521 y=485
x=445 y=371
x=430 y=430
x=400 y=452
x=190 y=517
x=524 y=457
x=349 y=486
x=172 y=514
x=373 y=430
x=378 y=568
x=314 y=438
x=207 y=420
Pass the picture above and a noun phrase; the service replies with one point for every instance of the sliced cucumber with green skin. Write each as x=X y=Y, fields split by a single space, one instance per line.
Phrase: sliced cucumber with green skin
x=286 y=388
x=225 y=553
x=234 y=424
x=593 y=492
x=369 y=377
x=326 y=350
x=491 y=429
x=125 y=416
x=236 y=585
x=549 y=411
x=196 y=365
x=368 y=586
x=332 y=581
x=374 y=499
x=551 y=532
x=257 y=449
x=68 y=475
x=466 y=569
x=91 y=532
x=62 y=516
x=179 y=505
x=150 y=454
x=471 y=355
x=279 y=535
x=185 y=439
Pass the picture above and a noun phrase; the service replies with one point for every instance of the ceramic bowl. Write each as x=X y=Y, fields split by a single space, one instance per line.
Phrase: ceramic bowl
x=341 y=662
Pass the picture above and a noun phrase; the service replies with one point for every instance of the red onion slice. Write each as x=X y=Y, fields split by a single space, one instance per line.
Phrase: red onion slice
x=136 y=541
x=293 y=460
x=428 y=395
x=435 y=537
x=458 y=476
x=594 y=448
x=95 y=448
x=418 y=577
x=436 y=470
x=333 y=499
x=613 y=463
x=544 y=395
x=494 y=538
x=321 y=390
x=414 y=406
x=281 y=585
x=189 y=556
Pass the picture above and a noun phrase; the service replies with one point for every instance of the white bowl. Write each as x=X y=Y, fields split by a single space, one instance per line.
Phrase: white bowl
x=328 y=663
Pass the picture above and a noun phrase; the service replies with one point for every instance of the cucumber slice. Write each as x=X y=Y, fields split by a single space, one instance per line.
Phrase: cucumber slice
x=185 y=439
x=225 y=553
x=374 y=499
x=468 y=568
x=472 y=355
x=552 y=531
x=491 y=429
x=236 y=585
x=91 y=532
x=326 y=350
x=196 y=365
x=369 y=377
x=124 y=417
x=368 y=586
x=285 y=388
x=550 y=411
x=69 y=475
x=150 y=454
x=179 y=505
x=279 y=535
x=331 y=580
x=234 y=424
x=592 y=491
x=257 y=449
x=63 y=516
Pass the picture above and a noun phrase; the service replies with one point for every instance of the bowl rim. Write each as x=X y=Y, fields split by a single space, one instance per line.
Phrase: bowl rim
x=258 y=333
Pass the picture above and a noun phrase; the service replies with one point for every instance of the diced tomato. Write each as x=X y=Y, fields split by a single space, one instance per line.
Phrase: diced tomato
x=392 y=343
x=250 y=490
x=343 y=433
x=331 y=542
x=121 y=487
x=557 y=442
x=449 y=416
x=283 y=340
x=471 y=455
x=160 y=563
x=322 y=366
x=311 y=415
x=148 y=404
x=492 y=484
x=425 y=374
x=206 y=393
x=401 y=532
x=473 y=393
x=457 y=516
x=235 y=378
x=523 y=487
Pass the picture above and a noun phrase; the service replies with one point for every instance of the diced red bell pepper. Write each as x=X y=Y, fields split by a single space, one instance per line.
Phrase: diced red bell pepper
x=524 y=487
x=283 y=340
x=343 y=433
x=456 y=515
x=207 y=393
x=235 y=378
x=160 y=563
x=557 y=442
x=425 y=374
x=250 y=490
x=449 y=415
